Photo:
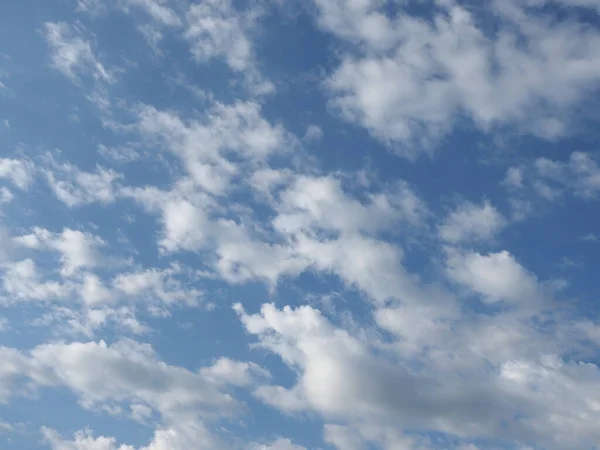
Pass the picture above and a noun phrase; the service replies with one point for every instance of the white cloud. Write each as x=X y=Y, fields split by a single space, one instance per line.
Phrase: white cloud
x=75 y=187
x=19 y=171
x=22 y=281
x=496 y=276
x=216 y=29
x=311 y=203
x=340 y=377
x=579 y=174
x=6 y=427
x=157 y=9
x=411 y=79
x=278 y=444
x=137 y=376
x=358 y=381
x=162 y=285
x=6 y=196
x=78 y=250
x=119 y=154
x=93 y=7
x=471 y=222
x=314 y=133
x=72 y=54
x=203 y=145
x=590 y=237
x=185 y=435
x=82 y=440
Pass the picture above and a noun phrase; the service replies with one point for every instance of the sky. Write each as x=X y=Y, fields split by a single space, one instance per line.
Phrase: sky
x=299 y=224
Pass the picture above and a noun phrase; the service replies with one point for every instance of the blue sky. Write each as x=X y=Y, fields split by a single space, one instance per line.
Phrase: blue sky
x=291 y=225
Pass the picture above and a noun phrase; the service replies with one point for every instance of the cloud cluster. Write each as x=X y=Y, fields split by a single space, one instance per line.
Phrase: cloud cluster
x=413 y=79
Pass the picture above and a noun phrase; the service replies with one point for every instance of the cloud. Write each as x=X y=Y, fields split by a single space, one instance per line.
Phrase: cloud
x=19 y=171
x=119 y=155
x=72 y=55
x=78 y=250
x=153 y=284
x=448 y=387
x=22 y=281
x=157 y=9
x=6 y=196
x=410 y=79
x=496 y=276
x=93 y=7
x=551 y=179
x=341 y=378
x=75 y=187
x=137 y=377
x=471 y=222
x=216 y=29
x=181 y=436
x=279 y=444
x=204 y=146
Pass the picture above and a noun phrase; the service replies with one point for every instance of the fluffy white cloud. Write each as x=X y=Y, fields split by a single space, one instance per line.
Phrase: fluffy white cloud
x=137 y=377
x=23 y=281
x=361 y=383
x=412 y=78
x=72 y=54
x=78 y=250
x=203 y=146
x=496 y=276
x=471 y=222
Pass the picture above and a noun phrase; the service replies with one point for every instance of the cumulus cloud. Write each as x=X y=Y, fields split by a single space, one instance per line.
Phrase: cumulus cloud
x=496 y=276
x=446 y=344
x=410 y=79
x=345 y=378
x=23 y=281
x=78 y=250
x=204 y=146
x=137 y=375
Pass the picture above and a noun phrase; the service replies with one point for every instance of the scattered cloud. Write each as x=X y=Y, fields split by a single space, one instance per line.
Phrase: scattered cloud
x=181 y=190
x=78 y=250
x=551 y=179
x=75 y=187
x=216 y=29
x=496 y=276
x=411 y=78
x=72 y=55
x=19 y=171
x=471 y=222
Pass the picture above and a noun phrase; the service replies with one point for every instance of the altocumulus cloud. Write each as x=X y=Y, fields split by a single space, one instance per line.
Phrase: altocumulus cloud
x=345 y=232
